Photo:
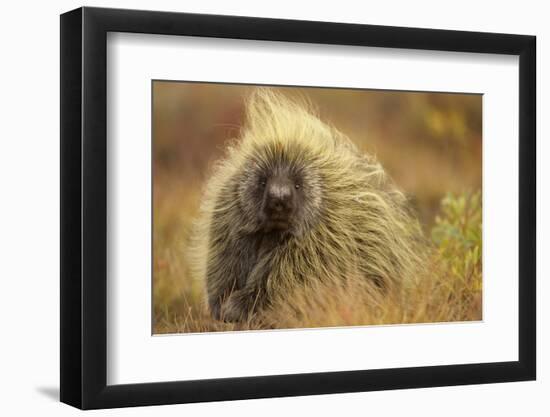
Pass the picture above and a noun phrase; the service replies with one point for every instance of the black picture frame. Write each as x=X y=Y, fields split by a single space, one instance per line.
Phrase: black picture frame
x=84 y=207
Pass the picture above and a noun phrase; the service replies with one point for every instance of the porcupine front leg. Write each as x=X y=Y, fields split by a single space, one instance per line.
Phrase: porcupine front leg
x=244 y=302
x=228 y=269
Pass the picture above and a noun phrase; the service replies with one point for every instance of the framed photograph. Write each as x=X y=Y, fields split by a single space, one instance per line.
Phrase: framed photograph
x=257 y=208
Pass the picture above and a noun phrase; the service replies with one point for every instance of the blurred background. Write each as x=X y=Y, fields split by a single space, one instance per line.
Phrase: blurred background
x=429 y=143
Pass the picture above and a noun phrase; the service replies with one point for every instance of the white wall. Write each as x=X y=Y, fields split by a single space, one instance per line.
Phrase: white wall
x=29 y=237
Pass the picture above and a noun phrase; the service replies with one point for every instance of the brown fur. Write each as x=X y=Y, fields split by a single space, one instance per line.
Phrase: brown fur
x=348 y=222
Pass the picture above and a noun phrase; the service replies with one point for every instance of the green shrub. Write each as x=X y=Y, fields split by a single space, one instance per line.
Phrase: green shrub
x=457 y=237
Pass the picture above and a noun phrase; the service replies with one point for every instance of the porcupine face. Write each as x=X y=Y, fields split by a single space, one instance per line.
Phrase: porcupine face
x=281 y=193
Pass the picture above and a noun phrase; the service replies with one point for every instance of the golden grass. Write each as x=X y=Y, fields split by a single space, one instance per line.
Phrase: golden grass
x=449 y=289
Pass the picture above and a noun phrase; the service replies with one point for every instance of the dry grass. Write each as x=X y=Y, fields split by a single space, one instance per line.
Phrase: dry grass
x=449 y=289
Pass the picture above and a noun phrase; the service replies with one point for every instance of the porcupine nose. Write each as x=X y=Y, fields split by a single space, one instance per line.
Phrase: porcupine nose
x=279 y=198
